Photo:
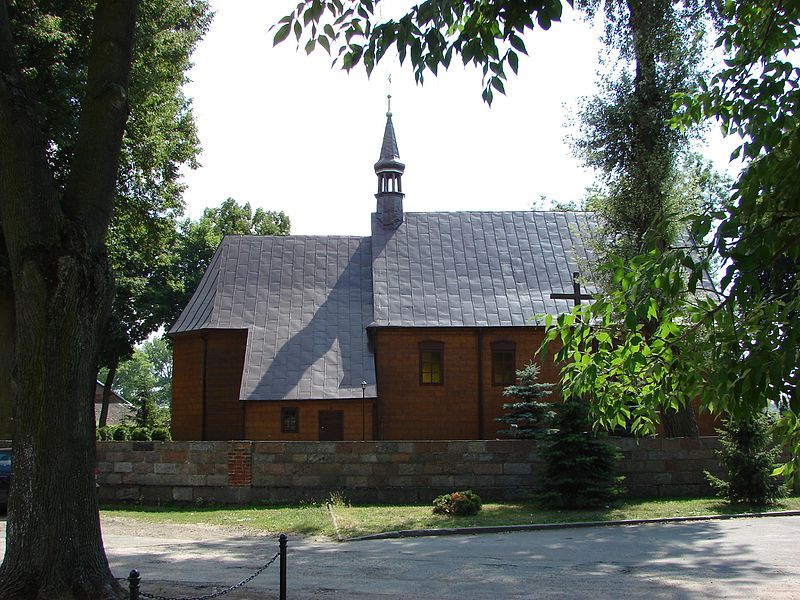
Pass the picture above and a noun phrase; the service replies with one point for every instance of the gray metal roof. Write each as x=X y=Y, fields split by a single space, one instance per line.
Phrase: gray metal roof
x=482 y=269
x=197 y=313
x=305 y=301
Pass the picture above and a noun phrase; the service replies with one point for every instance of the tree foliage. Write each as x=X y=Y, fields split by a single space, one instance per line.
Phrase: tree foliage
x=655 y=49
x=485 y=33
x=530 y=416
x=147 y=372
x=653 y=52
x=736 y=349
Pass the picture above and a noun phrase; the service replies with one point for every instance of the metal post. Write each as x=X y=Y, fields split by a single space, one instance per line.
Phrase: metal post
x=363 y=411
x=282 y=541
x=133 y=584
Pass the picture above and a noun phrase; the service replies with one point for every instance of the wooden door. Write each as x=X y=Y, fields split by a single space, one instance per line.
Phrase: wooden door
x=331 y=425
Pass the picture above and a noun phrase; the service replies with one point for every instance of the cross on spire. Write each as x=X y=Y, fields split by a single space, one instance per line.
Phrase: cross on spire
x=576 y=296
x=389 y=96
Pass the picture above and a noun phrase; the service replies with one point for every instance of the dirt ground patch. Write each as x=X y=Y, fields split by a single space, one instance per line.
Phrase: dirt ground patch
x=175 y=531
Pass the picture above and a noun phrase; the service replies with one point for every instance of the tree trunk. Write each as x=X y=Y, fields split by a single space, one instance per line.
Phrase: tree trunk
x=680 y=423
x=112 y=372
x=54 y=246
x=653 y=157
x=6 y=358
x=54 y=547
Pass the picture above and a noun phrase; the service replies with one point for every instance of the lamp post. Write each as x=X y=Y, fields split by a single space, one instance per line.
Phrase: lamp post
x=363 y=410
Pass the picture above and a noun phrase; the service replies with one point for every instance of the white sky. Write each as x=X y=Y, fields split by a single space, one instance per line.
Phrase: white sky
x=283 y=131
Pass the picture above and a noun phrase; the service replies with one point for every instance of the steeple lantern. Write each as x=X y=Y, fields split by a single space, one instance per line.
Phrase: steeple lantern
x=389 y=170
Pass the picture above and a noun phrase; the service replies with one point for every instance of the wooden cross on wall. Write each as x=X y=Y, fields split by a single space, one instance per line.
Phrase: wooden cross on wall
x=576 y=295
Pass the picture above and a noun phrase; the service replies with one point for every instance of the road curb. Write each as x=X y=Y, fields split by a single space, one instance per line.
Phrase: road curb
x=404 y=533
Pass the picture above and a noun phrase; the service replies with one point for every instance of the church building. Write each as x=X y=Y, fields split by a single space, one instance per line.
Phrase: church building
x=410 y=333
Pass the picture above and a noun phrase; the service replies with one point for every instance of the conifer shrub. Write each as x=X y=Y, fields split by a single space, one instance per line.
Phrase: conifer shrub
x=161 y=434
x=580 y=465
x=140 y=434
x=529 y=416
x=748 y=457
x=462 y=504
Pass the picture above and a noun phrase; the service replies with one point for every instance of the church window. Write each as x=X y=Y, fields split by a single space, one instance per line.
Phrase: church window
x=290 y=420
x=431 y=355
x=503 y=363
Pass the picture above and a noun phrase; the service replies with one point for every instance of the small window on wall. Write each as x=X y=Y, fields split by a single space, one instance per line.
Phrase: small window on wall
x=290 y=420
x=503 y=363
x=431 y=363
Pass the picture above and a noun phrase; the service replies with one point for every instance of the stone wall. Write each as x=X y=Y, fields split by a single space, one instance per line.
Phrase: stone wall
x=243 y=472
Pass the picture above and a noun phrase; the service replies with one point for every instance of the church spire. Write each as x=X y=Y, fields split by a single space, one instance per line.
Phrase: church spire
x=389 y=170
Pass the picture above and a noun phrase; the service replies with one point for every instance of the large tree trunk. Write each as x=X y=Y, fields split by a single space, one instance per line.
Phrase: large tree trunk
x=54 y=548
x=54 y=245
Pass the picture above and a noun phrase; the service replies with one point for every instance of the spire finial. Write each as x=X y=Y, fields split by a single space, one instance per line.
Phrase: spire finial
x=389 y=96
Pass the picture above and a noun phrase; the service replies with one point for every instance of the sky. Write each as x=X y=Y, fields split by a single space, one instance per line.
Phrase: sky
x=283 y=131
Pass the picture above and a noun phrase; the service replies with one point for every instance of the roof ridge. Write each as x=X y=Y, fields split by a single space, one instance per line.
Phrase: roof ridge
x=494 y=212
x=293 y=236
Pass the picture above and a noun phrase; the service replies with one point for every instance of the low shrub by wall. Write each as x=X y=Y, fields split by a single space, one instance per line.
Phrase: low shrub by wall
x=413 y=471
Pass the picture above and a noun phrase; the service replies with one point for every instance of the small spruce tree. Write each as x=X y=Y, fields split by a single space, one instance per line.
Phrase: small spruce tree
x=529 y=417
x=580 y=467
x=748 y=457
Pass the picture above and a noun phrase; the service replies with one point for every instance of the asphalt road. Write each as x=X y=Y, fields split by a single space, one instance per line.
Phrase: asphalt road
x=743 y=558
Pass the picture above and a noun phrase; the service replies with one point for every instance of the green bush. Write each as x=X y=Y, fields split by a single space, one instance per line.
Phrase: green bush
x=120 y=433
x=103 y=433
x=161 y=435
x=530 y=416
x=748 y=456
x=462 y=504
x=580 y=467
x=140 y=434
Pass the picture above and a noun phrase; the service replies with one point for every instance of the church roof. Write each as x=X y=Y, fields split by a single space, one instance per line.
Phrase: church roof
x=305 y=301
x=475 y=269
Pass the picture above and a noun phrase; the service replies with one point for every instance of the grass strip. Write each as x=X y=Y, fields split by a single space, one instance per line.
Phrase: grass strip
x=357 y=520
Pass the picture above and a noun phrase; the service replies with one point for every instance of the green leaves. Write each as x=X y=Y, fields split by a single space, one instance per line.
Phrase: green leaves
x=487 y=34
x=282 y=34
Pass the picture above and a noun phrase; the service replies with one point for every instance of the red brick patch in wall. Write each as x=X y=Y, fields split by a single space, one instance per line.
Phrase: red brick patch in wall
x=240 y=464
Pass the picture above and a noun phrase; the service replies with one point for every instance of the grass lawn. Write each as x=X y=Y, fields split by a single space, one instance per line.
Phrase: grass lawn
x=354 y=520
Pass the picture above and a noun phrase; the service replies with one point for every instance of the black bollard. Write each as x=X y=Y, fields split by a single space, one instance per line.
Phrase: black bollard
x=133 y=584
x=282 y=541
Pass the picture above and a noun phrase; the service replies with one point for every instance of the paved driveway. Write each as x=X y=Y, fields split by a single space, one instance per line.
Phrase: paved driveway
x=747 y=558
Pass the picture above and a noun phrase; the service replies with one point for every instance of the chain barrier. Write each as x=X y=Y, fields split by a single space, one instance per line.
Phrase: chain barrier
x=134 y=580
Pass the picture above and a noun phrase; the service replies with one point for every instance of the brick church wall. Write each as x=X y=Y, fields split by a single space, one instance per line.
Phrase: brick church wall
x=406 y=408
x=208 y=370
x=409 y=409
x=263 y=419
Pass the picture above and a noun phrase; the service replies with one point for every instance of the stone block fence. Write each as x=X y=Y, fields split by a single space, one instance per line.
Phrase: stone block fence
x=239 y=472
